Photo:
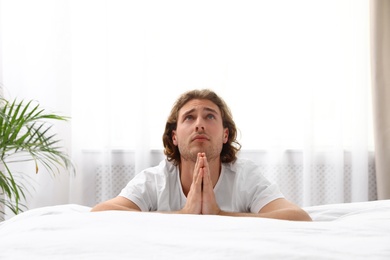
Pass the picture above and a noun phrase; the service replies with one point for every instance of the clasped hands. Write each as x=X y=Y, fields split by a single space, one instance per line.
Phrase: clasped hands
x=201 y=197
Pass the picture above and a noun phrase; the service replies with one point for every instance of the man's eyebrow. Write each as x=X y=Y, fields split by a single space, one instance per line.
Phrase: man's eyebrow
x=209 y=109
x=188 y=112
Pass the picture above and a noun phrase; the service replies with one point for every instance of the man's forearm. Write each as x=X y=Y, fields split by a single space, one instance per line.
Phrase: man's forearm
x=110 y=206
x=284 y=214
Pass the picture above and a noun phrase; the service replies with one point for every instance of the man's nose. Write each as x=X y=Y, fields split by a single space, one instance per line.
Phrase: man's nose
x=199 y=125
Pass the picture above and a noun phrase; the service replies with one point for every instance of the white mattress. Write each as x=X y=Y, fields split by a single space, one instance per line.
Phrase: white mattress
x=339 y=231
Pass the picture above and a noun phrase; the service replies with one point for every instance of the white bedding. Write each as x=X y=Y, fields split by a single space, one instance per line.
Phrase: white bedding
x=340 y=231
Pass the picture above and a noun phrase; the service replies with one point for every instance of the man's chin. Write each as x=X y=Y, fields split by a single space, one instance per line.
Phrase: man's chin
x=198 y=149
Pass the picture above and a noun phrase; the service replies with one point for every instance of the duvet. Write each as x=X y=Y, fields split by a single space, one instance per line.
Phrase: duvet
x=359 y=230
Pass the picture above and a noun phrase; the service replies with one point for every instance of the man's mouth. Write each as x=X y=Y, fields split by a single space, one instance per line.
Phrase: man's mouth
x=200 y=138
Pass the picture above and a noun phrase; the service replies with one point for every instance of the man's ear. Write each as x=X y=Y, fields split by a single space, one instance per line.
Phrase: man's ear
x=174 y=140
x=226 y=135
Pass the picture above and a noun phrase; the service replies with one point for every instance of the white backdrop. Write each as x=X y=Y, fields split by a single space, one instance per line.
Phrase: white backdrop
x=295 y=74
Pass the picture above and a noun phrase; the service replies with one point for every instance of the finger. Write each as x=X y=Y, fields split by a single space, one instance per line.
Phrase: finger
x=207 y=184
x=198 y=175
x=206 y=165
x=202 y=166
x=201 y=177
x=201 y=159
x=196 y=169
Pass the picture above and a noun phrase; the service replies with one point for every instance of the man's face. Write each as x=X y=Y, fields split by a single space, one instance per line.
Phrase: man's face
x=199 y=129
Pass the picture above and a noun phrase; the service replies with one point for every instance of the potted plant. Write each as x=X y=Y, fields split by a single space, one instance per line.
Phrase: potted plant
x=26 y=135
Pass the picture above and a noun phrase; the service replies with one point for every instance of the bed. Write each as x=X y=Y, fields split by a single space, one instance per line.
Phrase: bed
x=359 y=230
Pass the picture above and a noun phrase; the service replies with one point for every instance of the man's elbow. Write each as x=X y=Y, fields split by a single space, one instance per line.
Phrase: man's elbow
x=300 y=215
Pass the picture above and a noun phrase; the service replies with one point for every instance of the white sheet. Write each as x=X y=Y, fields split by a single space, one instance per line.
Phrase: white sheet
x=340 y=231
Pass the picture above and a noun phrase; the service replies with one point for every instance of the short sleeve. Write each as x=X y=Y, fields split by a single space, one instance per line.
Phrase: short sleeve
x=139 y=191
x=264 y=196
x=259 y=190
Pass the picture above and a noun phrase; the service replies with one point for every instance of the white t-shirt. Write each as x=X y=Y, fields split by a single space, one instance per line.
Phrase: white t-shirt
x=241 y=187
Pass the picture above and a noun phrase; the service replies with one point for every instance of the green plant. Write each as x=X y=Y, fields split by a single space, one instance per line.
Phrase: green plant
x=25 y=135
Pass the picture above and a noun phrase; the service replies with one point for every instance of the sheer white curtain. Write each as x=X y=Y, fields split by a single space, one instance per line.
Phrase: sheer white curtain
x=295 y=74
x=35 y=65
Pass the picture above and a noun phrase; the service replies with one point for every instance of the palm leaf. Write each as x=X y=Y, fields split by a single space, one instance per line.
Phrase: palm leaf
x=26 y=135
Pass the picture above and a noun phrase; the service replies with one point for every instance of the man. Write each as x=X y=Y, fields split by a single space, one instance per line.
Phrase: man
x=202 y=174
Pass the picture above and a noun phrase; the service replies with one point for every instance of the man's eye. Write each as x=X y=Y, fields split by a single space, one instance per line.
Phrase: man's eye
x=189 y=117
x=210 y=116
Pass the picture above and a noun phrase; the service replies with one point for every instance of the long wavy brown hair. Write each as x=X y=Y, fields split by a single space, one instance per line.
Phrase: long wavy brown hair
x=229 y=149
